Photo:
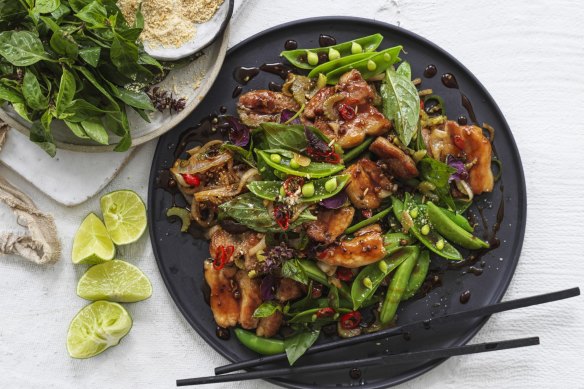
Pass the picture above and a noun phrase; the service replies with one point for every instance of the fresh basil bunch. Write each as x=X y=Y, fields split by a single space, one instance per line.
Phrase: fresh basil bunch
x=77 y=61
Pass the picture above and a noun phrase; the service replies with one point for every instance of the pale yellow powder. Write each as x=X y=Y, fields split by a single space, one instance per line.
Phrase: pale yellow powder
x=169 y=23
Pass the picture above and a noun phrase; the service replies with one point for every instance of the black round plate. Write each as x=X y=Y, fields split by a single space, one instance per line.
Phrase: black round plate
x=180 y=256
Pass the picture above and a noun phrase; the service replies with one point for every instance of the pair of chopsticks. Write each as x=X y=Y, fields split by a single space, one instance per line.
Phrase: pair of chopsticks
x=389 y=358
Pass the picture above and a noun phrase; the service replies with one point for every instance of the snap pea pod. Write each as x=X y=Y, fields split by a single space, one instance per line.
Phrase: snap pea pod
x=393 y=240
x=314 y=170
x=264 y=346
x=429 y=237
x=452 y=231
x=396 y=289
x=362 y=290
x=364 y=223
x=370 y=67
x=329 y=66
x=314 y=273
x=460 y=220
x=298 y=57
x=308 y=316
x=270 y=190
x=356 y=151
x=418 y=275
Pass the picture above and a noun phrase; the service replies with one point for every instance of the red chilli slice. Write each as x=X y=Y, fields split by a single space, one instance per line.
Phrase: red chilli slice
x=325 y=312
x=344 y=274
x=350 y=320
x=347 y=112
x=191 y=179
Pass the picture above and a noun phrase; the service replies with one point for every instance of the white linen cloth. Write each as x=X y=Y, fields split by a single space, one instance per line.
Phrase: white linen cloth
x=528 y=54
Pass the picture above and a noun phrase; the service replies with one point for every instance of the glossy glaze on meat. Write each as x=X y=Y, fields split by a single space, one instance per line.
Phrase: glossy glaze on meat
x=224 y=305
x=394 y=160
x=366 y=247
x=261 y=106
x=330 y=224
x=368 y=184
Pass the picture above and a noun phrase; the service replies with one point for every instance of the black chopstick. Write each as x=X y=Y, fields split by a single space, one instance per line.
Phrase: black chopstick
x=357 y=363
x=478 y=312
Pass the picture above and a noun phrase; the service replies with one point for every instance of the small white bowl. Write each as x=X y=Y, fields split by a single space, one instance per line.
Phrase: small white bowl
x=206 y=33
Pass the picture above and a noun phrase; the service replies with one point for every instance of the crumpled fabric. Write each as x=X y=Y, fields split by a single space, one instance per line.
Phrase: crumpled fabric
x=41 y=244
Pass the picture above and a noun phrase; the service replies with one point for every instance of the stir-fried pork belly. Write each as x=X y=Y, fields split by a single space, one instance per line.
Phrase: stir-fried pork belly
x=368 y=184
x=467 y=142
x=250 y=299
x=330 y=224
x=364 y=248
x=261 y=106
x=269 y=326
x=394 y=160
x=288 y=290
x=345 y=112
x=241 y=243
x=224 y=305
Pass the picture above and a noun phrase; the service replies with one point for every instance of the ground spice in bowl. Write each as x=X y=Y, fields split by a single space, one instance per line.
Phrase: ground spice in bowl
x=169 y=23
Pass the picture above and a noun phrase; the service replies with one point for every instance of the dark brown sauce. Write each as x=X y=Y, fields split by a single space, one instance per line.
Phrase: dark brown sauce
x=462 y=120
x=222 y=109
x=322 y=57
x=465 y=297
x=355 y=373
x=468 y=106
x=326 y=40
x=430 y=71
x=449 y=81
x=477 y=271
x=194 y=134
x=277 y=68
x=290 y=44
x=165 y=181
x=433 y=280
x=223 y=333
x=237 y=91
x=244 y=75
x=274 y=86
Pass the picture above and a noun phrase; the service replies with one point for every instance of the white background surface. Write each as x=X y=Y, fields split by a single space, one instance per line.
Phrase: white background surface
x=528 y=54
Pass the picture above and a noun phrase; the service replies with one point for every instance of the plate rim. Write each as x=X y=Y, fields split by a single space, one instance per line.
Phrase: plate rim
x=164 y=128
x=522 y=193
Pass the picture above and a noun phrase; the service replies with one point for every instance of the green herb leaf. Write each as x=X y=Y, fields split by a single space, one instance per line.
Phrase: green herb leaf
x=297 y=345
x=80 y=110
x=245 y=155
x=67 y=89
x=401 y=103
x=10 y=94
x=31 y=89
x=438 y=173
x=64 y=45
x=94 y=14
x=95 y=130
x=22 y=110
x=43 y=138
x=291 y=269
x=22 y=48
x=77 y=129
x=124 y=55
x=134 y=99
x=268 y=308
x=91 y=55
x=46 y=6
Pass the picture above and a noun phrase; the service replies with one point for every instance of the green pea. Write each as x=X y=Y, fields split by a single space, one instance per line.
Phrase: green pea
x=314 y=317
x=294 y=164
x=440 y=244
x=321 y=82
x=371 y=66
x=425 y=230
x=382 y=266
x=282 y=192
x=333 y=54
x=312 y=58
x=387 y=57
x=331 y=185
x=277 y=158
x=356 y=48
x=367 y=283
x=414 y=213
x=308 y=189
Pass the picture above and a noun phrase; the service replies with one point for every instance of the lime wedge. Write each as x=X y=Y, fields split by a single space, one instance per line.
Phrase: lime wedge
x=97 y=327
x=124 y=214
x=114 y=281
x=92 y=243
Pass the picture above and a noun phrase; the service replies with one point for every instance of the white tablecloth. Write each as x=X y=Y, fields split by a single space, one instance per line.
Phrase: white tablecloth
x=528 y=54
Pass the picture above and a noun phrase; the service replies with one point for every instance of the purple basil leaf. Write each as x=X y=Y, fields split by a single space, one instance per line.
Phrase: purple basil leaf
x=238 y=132
x=335 y=202
x=268 y=288
x=315 y=142
x=461 y=173
x=287 y=115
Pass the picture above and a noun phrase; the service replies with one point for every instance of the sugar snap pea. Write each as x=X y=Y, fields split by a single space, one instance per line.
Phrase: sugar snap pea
x=314 y=170
x=356 y=151
x=265 y=346
x=364 y=223
x=382 y=60
x=418 y=275
x=452 y=231
x=299 y=57
x=396 y=289
x=329 y=66
x=362 y=291
x=393 y=240
x=314 y=273
x=270 y=190
x=460 y=220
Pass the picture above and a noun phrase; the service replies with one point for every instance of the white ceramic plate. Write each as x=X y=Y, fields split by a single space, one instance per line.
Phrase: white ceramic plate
x=192 y=82
x=206 y=33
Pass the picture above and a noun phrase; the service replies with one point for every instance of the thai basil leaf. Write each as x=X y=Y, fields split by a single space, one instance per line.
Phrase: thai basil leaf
x=67 y=89
x=61 y=12
x=125 y=143
x=297 y=345
x=146 y=59
x=401 y=104
x=133 y=99
x=43 y=138
x=76 y=129
x=289 y=137
x=64 y=45
x=405 y=70
x=250 y=211
x=10 y=94
x=46 y=6
x=80 y=110
x=22 y=48
x=438 y=173
x=91 y=78
x=124 y=55
x=245 y=155
x=11 y=11
x=22 y=110
x=117 y=123
x=291 y=269
x=91 y=55
x=78 y=5
x=95 y=130
x=131 y=34
x=94 y=14
x=51 y=24
x=33 y=94
x=268 y=308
